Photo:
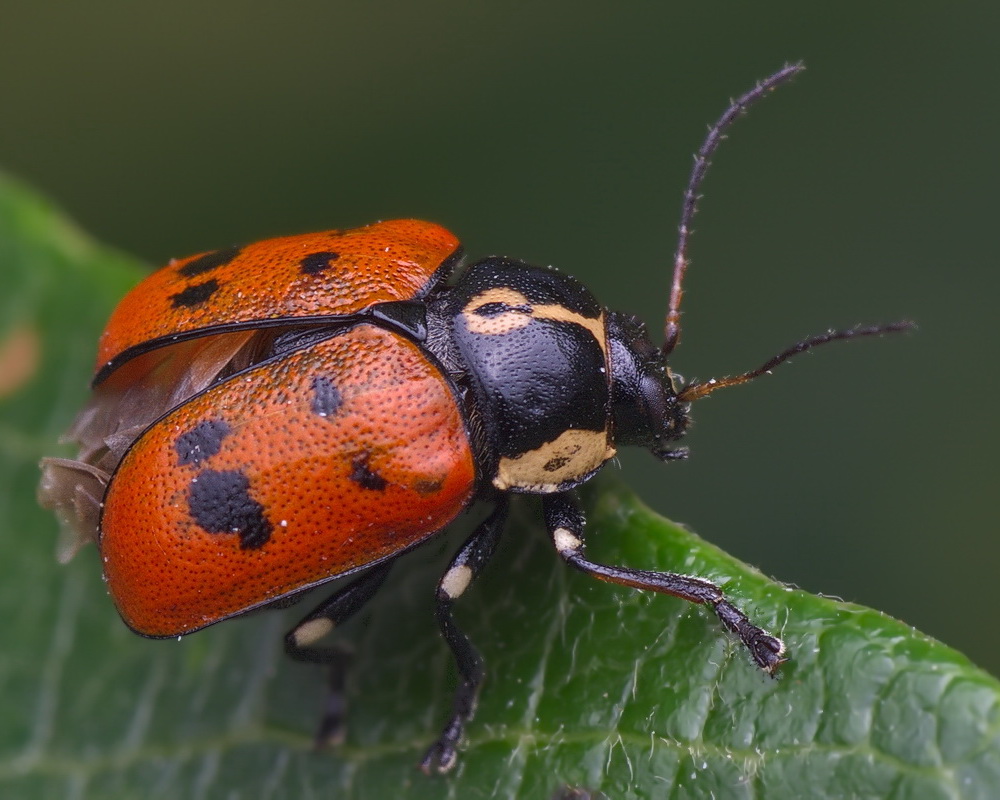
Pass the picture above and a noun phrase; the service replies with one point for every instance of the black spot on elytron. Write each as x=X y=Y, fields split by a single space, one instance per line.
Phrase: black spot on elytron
x=428 y=487
x=208 y=262
x=365 y=477
x=195 y=295
x=201 y=442
x=326 y=397
x=317 y=262
x=220 y=502
x=555 y=464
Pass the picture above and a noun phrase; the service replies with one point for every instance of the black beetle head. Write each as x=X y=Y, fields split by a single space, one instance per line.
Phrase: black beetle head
x=645 y=407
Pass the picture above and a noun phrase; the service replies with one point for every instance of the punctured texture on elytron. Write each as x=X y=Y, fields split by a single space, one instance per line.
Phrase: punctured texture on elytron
x=316 y=463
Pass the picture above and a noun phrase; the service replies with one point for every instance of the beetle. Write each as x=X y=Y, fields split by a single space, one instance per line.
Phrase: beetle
x=268 y=418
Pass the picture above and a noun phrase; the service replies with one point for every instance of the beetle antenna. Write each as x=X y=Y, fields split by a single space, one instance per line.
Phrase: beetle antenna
x=702 y=160
x=696 y=391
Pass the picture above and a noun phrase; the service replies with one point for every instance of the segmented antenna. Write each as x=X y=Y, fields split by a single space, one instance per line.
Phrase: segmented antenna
x=696 y=391
x=672 y=327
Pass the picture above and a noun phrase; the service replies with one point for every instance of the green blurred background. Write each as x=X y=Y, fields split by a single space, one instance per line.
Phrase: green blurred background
x=562 y=133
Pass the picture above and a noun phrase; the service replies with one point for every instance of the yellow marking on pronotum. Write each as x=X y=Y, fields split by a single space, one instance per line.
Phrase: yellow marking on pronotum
x=520 y=313
x=572 y=455
x=497 y=324
x=562 y=314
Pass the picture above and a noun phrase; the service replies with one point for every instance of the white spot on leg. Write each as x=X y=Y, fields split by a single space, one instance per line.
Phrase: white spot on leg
x=312 y=631
x=566 y=542
x=456 y=580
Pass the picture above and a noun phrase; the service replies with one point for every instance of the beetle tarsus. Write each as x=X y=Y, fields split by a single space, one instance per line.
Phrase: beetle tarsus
x=766 y=650
x=443 y=754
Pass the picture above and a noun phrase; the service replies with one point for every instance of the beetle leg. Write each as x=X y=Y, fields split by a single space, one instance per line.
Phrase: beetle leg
x=300 y=644
x=565 y=523
x=464 y=567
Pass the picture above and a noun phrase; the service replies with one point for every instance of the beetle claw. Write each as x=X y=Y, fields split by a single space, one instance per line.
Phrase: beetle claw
x=767 y=652
x=441 y=757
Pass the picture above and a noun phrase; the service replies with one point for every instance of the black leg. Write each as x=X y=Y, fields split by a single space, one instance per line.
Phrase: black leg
x=300 y=644
x=461 y=572
x=565 y=522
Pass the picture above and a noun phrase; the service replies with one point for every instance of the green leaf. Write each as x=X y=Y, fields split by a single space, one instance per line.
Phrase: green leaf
x=590 y=685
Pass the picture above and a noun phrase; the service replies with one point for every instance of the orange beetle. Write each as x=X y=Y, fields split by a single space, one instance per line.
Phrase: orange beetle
x=268 y=418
